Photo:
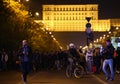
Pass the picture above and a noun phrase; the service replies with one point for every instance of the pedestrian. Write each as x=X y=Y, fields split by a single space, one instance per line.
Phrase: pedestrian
x=36 y=60
x=118 y=60
x=108 y=60
x=1 y=61
x=25 y=58
x=97 y=60
x=5 y=60
x=89 y=59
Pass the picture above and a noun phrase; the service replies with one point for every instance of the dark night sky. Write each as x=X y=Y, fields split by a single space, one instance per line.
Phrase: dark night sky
x=107 y=8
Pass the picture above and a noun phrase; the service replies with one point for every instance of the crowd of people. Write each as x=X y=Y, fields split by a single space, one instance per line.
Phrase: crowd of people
x=93 y=60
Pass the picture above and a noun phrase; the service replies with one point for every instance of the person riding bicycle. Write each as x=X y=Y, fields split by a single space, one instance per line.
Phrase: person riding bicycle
x=73 y=67
x=73 y=54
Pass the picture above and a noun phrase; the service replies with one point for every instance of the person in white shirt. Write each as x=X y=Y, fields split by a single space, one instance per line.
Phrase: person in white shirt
x=5 y=60
x=89 y=60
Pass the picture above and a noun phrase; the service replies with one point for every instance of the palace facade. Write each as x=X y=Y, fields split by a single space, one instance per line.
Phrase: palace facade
x=73 y=18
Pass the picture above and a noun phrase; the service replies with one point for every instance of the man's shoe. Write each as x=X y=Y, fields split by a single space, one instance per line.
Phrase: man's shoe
x=111 y=79
x=107 y=78
x=24 y=83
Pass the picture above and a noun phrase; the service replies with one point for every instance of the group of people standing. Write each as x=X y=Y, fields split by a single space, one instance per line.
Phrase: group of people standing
x=106 y=59
x=93 y=60
x=102 y=59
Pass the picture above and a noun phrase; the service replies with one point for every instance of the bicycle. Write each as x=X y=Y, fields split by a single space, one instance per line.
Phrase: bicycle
x=74 y=69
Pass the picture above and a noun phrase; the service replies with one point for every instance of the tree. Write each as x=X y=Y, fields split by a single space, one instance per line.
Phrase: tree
x=16 y=24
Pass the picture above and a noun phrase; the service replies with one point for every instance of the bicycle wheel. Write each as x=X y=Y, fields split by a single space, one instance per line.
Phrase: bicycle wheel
x=69 y=71
x=78 y=72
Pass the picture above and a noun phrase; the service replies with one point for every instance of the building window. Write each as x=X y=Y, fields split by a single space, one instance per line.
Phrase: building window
x=66 y=18
x=66 y=9
x=60 y=9
x=60 y=18
x=63 y=18
x=92 y=9
x=76 y=9
x=47 y=18
x=47 y=9
x=82 y=9
x=54 y=9
x=57 y=9
x=73 y=9
x=73 y=18
x=76 y=18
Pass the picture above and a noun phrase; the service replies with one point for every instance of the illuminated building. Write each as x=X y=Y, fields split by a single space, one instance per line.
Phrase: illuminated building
x=73 y=18
x=115 y=22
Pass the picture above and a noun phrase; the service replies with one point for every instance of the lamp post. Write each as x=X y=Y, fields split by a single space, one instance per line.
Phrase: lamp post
x=88 y=31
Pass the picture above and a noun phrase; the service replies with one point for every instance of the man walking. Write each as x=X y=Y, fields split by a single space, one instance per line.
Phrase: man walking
x=108 y=61
x=25 y=57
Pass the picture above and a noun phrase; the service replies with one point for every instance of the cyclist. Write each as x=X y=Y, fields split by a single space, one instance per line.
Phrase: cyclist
x=73 y=54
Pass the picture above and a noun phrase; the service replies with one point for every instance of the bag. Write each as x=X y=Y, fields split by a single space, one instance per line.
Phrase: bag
x=94 y=69
x=115 y=54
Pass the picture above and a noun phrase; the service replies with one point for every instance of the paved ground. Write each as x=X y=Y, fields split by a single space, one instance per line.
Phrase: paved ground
x=54 y=77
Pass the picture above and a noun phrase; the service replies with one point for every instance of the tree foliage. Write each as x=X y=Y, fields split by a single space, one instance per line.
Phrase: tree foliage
x=16 y=24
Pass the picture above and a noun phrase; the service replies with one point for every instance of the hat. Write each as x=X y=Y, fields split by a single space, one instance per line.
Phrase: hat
x=71 y=45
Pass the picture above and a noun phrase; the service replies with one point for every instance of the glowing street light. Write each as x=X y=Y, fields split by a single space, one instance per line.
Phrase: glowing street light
x=18 y=0
x=117 y=28
x=37 y=14
x=27 y=0
x=50 y=32
x=109 y=32
x=104 y=35
x=47 y=29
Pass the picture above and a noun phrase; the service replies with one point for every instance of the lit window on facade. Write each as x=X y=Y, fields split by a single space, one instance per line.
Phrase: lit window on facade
x=54 y=9
x=60 y=9
x=76 y=9
x=66 y=9
x=57 y=9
